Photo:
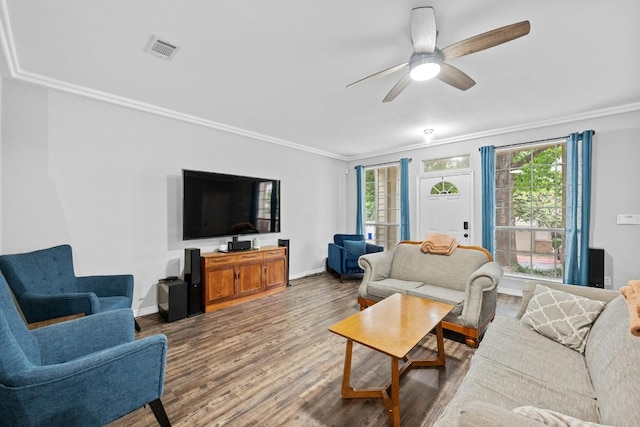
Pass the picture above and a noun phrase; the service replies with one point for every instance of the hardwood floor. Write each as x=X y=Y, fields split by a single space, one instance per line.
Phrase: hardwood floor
x=273 y=362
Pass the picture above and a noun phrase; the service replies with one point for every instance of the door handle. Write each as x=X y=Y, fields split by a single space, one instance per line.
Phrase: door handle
x=465 y=225
x=466 y=234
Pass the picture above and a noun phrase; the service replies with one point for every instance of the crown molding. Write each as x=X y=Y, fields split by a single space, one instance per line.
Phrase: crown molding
x=604 y=112
x=62 y=86
x=15 y=72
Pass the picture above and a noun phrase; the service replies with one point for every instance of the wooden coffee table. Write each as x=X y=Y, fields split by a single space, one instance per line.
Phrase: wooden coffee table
x=393 y=326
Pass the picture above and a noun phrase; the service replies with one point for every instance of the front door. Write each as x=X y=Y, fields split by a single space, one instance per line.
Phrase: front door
x=446 y=206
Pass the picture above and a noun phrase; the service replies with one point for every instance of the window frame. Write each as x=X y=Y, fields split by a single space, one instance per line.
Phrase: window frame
x=382 y=231
x=543 y=258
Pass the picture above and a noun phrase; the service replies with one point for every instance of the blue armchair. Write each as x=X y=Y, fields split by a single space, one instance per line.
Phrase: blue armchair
x=345 y=251
x=46 y=286
x=84 y=372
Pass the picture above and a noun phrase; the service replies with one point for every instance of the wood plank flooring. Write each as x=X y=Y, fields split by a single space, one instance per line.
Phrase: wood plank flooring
x=273 y=362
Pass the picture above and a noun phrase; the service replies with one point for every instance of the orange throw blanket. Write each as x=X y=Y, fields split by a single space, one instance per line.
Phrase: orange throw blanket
x=440 y=244
x=631 y=293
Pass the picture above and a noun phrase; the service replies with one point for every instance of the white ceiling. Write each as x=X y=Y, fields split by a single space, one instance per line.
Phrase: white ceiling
x=277 y=70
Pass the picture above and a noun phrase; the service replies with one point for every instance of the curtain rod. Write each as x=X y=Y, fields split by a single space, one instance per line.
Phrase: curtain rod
x=540 y=141
x=381 y=164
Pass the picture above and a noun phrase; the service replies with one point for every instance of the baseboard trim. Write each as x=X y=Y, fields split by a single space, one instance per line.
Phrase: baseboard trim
x=145 y=310
x=307 y=273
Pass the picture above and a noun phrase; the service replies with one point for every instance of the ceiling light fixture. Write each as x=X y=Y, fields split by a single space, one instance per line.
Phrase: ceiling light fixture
x=428 y=137
x=425 y=66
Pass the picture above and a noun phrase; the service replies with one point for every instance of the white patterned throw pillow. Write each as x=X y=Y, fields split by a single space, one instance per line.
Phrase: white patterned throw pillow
x=561 y=316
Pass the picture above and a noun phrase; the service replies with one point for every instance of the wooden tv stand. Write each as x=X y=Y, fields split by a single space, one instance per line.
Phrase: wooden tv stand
x=230 y=278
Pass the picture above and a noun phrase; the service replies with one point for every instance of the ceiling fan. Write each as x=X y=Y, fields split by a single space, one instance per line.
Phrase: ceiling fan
x=427 y=61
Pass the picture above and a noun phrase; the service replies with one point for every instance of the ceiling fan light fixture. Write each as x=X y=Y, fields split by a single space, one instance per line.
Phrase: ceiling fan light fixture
x=425 y=66
x=424 y=72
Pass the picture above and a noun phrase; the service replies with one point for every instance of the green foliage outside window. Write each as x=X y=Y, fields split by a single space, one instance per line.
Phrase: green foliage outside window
x=530 y=211
x=537 y=190
x=370 y=195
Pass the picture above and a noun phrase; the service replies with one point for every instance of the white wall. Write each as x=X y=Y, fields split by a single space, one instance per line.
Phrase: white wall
x=1 y=203
x=107 y=180
x=614 y=180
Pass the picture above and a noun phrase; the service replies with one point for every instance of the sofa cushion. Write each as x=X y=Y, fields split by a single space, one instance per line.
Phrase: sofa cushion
x=438 y=293
x=561 y=316
x=517 y=347
x=114 y=303
x=450 y=271
x=387 y=287
x=483 y=414
x=502 y=386
x=612 y=355
x=553 y=418
x=355 y=247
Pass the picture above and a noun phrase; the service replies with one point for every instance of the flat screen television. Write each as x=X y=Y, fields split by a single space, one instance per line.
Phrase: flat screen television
x=217 y=205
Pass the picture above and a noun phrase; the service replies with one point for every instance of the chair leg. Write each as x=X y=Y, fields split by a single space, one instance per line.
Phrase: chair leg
x=136 y=325
x=159 y=412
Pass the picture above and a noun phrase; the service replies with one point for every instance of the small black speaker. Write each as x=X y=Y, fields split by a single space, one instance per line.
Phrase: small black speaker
x=239 y=245
x=285 y=243
x=596 y=268
x=172 y=299
x=193 y=277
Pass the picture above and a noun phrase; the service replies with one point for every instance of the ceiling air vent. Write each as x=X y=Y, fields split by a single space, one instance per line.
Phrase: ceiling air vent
x=161 y=49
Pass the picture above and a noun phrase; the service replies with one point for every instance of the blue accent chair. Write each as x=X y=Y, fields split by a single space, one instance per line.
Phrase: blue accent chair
x=83 y=372
x=343 y=257
x=46 y=286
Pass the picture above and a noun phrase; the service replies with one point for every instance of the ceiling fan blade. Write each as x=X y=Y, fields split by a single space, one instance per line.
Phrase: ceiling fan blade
x=454 y=77
x=397 y=88
x=380 y=74
x=423 y=29
x=486 y=40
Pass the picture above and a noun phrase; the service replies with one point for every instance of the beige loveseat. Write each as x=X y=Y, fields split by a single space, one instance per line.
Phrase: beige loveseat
x=518 y=375
x=467 y=278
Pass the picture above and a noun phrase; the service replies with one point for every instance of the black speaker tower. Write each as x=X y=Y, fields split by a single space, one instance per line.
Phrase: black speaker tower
x=193 y=277
x=596 y=268
x=285 y=243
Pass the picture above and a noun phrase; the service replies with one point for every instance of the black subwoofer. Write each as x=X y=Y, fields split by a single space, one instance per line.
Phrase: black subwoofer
x=172 y=299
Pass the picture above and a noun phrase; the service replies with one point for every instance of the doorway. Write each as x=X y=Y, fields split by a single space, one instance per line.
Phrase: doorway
x=446 y=205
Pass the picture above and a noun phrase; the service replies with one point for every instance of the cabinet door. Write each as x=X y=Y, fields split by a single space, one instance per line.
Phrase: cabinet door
x=219 y=279
x=220 y=282
x=275 y=268
x=250 y=274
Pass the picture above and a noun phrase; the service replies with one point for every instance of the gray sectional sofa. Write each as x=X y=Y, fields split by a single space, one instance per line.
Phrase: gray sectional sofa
x=467 y=279
x=518 y=368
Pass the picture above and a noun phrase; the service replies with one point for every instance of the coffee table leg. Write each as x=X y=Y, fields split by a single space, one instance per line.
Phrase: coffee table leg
x=350 y=392
x=346 y=375
x=440 y=360
x=391 y=403
x=395 y=393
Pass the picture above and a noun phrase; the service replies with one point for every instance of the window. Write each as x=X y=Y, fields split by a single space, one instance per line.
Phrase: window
x=530 y=209
x=444 y=188
x=266 y=205
x=451 y=163
x=382 y=205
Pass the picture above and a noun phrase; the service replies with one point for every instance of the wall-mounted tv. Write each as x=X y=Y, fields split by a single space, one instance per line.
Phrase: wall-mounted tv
x=216 y=205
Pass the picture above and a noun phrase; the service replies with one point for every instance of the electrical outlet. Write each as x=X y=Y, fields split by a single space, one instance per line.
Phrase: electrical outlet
x=607 y=282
